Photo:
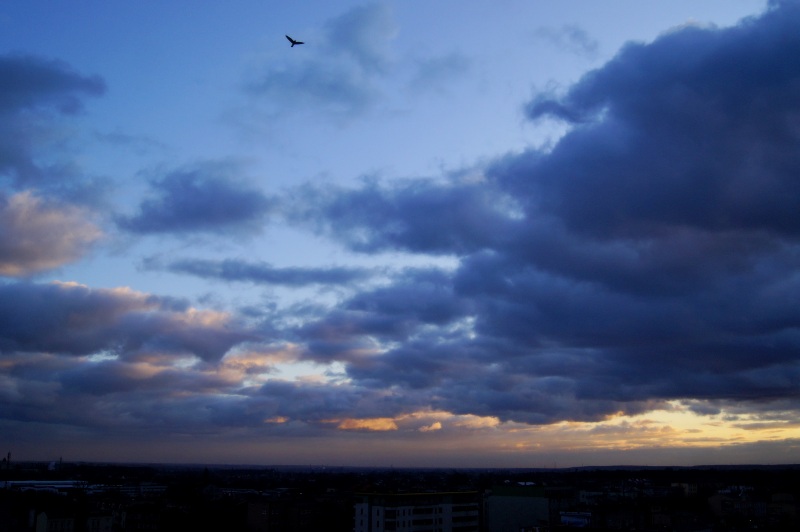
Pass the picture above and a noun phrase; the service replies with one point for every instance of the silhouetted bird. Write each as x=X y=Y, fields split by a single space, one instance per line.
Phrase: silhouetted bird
x=293 y=41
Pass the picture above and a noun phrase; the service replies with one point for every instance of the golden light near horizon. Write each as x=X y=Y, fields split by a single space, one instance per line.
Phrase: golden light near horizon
x=675 y=427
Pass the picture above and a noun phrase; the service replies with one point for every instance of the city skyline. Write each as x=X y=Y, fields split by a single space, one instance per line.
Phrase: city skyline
x=525 y=234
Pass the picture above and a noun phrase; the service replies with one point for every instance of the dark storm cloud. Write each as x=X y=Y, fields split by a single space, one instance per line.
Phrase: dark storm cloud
x=651 y=255
x=154 y=398
x=667 y=140
x=422 y=295
x=71 y=319
x=315 y=402
x=419 y=216
x=202 y=199
x=417 y=301
x=32 y=91
x=264 y=273
x=118 y=377
x=123 y=396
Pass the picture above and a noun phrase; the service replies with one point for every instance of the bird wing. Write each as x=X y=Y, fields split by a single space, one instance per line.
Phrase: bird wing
x=290 y=39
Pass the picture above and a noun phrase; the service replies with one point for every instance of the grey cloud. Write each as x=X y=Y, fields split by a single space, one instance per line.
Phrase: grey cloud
x=345 y=336
x=419 y=216
x=117 y=377
x=670 y=142
x=33 y=91
x=160 y=400
x=265 y=273
x=149 y=397
x=75 y=320
x=404 y=310
x=336 y=74
x=435 y=73
x=202 y=199
x=422 y=295
x=421 y=364
x=29 y=82
x=113 y=396
x=482 y=378
x=333 y=87
x=159 y=408
x=363 y=34
x=309 y=402
x=570 y=38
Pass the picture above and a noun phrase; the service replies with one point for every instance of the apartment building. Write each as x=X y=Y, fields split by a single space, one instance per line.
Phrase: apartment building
x=418 y=512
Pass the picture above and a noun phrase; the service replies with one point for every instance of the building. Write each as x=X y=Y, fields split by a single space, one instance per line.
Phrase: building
x=418 y=512
x=45 y=523
x=522 y=507
x=284 y=514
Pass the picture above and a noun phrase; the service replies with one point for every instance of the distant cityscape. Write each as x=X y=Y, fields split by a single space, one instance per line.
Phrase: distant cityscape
x=97 y=497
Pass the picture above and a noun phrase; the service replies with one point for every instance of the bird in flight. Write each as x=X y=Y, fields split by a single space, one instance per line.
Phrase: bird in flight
x=293 y=41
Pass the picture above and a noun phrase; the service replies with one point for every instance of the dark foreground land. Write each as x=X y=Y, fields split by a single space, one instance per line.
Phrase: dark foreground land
x=110 y=497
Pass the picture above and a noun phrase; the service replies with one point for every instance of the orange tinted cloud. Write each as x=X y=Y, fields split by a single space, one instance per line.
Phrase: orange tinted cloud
x=40 y=236
x=380 y=424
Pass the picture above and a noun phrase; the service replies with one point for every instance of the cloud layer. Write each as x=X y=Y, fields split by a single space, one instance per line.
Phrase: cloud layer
x=648 y=259
x=651 y=255
x=262 y=273
x=71 y=319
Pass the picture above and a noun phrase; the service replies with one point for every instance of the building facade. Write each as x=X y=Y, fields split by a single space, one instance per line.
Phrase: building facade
x=418 y=512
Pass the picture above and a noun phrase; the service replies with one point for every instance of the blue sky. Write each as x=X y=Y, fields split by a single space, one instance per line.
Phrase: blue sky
x=446 y=233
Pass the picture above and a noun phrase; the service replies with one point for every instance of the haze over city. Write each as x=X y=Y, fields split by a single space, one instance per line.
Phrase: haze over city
x=458 y=234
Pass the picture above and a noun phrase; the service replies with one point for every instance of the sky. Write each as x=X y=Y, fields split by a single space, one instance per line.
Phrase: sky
x=451 y=233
